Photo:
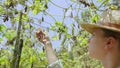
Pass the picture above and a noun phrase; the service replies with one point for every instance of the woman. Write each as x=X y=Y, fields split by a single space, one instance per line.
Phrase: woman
x=103 y=45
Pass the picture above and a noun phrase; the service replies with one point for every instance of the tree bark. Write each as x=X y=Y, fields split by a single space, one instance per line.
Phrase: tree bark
x=18 y=46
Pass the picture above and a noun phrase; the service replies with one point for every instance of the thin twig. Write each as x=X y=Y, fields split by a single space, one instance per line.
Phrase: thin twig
x=56 y=4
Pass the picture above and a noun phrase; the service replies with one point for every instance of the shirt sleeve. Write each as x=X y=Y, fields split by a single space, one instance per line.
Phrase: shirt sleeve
x=56 y=64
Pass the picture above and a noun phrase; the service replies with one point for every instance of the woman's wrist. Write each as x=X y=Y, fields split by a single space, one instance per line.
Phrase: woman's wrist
x=48 y=46
x=47 y=43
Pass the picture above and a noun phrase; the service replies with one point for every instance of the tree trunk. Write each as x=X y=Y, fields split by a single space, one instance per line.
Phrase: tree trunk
x=18 y=46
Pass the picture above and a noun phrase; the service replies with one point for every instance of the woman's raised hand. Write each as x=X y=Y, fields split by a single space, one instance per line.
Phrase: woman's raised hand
x=42 y=37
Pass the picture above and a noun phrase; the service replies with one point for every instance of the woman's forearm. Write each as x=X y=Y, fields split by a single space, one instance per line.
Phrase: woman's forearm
x=43 y=38
x=50 y=54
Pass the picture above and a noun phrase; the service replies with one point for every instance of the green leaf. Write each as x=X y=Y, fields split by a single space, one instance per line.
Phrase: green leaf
x=34 y=58
x=38 y=7
x=68 y=36
x=55 y=38
x=2 y=28
x=10 y=34
x=52 y=28
x=37 y=2
x=113 y=7
x=25 y=17
x=1 y=9
x=31 y=60
x=36 y=10
x=27 y=26
x=17 y=18
x=95 y=18
x=57 y=23
x=46 y=1
x=1 y=39
x=99 y=0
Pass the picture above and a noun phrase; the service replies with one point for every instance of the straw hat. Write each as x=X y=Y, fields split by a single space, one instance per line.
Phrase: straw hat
x=109 y=20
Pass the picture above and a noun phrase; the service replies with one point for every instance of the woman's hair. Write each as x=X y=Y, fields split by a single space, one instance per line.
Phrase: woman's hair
x=114 y=34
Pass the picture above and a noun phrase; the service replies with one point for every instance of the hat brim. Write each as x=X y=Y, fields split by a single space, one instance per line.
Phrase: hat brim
x=90 y=27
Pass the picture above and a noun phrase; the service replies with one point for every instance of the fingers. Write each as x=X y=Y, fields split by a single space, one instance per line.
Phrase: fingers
x=46 y=37
x=43 y=37
x=39 y=34
x=44 y=41
x=48 y=42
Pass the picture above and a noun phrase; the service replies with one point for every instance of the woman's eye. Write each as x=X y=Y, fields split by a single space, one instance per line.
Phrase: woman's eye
x=91 y=36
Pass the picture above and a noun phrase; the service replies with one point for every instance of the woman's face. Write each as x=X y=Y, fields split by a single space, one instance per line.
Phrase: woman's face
x=96 y=44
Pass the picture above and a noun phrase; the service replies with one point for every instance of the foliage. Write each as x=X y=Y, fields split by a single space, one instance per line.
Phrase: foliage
x=72 y=39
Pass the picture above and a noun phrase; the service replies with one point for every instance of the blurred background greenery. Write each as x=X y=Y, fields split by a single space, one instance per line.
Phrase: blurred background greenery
x=60 y=19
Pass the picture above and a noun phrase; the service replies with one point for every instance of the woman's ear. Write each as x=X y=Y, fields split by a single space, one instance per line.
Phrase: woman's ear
x=110 y=43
